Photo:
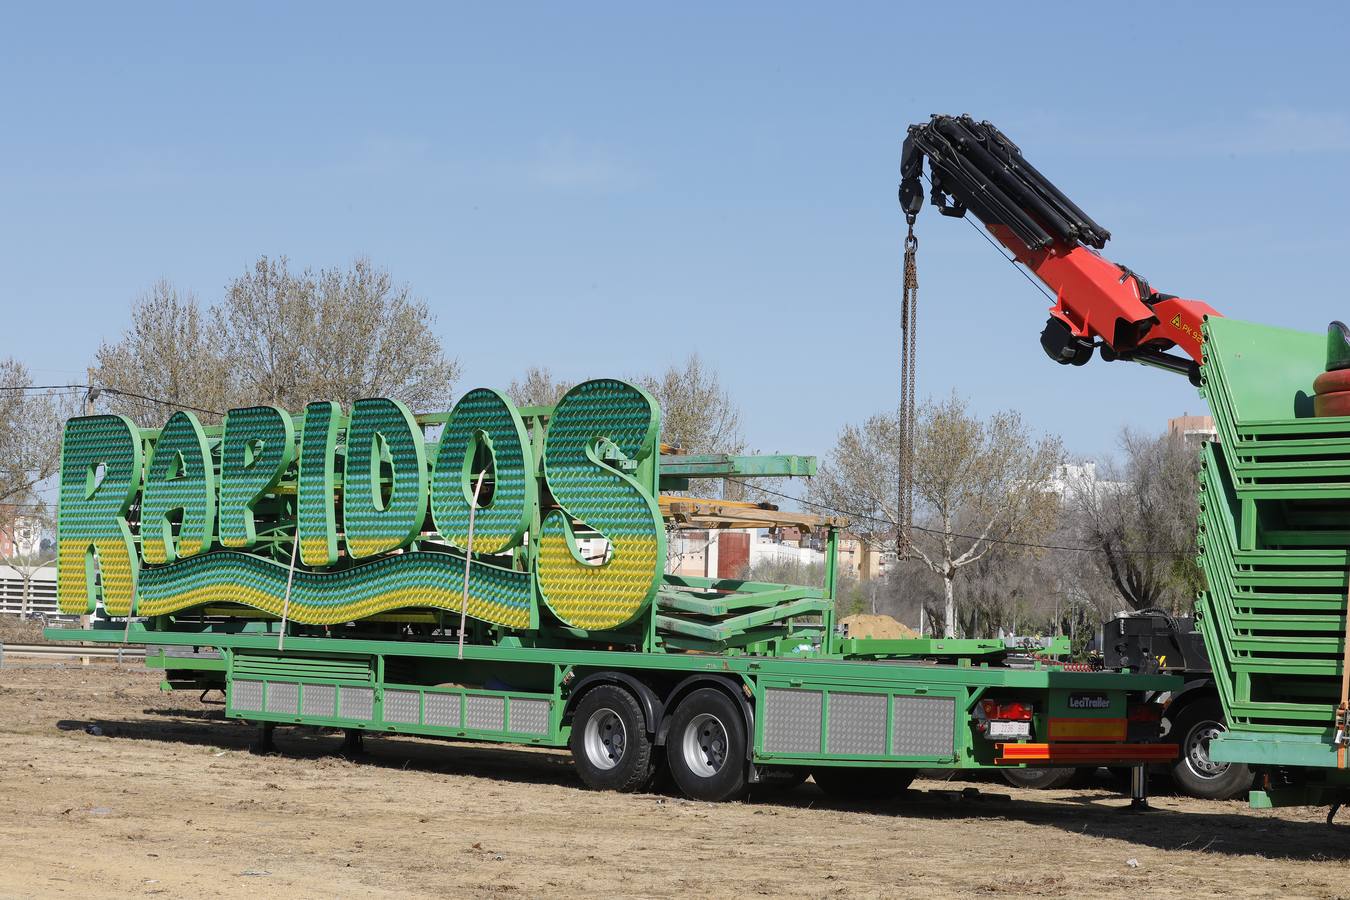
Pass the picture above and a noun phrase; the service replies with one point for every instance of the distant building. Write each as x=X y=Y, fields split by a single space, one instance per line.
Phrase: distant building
x=41 y=591
x=733 y=553
x=1194 y=429
x=24 y=539
x=1073 y=477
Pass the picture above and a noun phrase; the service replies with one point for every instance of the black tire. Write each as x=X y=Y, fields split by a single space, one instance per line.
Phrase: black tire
x=1040 y=779
x=1193 y=772
x=860 y=784
x=610 y=745
x=705 y=747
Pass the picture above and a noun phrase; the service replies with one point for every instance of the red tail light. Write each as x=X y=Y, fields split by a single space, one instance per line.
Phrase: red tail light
x=1145 y=712
x=1006 y=710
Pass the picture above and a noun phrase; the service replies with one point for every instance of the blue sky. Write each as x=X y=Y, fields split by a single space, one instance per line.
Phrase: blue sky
x=604 y=188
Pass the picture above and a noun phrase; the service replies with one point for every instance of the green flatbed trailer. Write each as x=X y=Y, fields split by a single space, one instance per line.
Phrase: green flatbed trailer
x=322 y=570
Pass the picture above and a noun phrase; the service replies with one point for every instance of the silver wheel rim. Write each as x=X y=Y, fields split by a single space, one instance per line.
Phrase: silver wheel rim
x=1197 y=750
x=605 y=739
x=705 y=745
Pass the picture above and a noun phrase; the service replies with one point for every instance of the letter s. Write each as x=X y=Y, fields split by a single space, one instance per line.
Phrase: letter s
x=598 y=429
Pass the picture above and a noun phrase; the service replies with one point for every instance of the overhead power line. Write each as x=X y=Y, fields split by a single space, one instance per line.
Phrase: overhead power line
x=988 y=540
x=159 y=401
x=15 y=388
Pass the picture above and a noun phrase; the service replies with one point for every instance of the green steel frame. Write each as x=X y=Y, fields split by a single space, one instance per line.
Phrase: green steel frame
x=545 y=674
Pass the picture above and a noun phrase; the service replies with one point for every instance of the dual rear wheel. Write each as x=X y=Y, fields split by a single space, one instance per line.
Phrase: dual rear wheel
x=705 y=746
x=705 y=750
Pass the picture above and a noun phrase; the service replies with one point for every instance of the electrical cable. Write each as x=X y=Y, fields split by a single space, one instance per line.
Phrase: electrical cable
x=158 y=401
x=999 y=250
x=972 y=537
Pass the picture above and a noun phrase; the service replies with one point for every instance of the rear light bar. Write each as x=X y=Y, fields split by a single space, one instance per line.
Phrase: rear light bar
x=1083 y=754
x=1006 y=710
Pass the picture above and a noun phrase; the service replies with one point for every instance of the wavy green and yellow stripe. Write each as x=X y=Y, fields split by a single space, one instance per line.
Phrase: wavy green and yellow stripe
x=425 y=579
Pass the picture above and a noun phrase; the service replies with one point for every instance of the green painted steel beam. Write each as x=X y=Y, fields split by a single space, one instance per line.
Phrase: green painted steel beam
x=875 y=647
x=821 y=669
x=1267 y=749
x=732 y=585
x=727 y=465
x=163 y=661
x=724 y=604
x=727 y=628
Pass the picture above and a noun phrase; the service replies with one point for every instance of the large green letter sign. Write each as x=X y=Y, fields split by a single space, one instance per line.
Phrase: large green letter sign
x=376 y=526
x=596 y=425
x=255 y=451
x=484 y=418
x=375 y=523
x=100 y=476
x=179 y=484
x=316 y=526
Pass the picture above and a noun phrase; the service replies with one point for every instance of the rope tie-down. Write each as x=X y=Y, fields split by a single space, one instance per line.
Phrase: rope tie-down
x=468 y=561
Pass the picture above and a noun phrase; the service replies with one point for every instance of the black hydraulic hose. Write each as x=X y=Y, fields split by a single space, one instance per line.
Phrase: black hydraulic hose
x=1013 y=182
x=1099 y=235
x=991 y=205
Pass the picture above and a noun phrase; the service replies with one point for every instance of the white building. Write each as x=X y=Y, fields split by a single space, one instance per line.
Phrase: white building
x=41 y=591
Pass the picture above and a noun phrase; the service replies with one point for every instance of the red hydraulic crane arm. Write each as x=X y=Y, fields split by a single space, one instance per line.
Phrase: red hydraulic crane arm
x=1099 y=304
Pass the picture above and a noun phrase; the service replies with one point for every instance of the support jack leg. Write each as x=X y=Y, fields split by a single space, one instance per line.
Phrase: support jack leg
x=1139 y=789
x=352 y=742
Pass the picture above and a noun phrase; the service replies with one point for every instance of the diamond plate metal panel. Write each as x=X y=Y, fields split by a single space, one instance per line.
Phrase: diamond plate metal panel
x=356 y=703
x=318 y=700
x=283 y=697
x=401 y=706
x=441 y=710
x=924 y=726
x=529 y=716
x=485 y=713
x=791 y=721
x=246 y=695
x=857 y=724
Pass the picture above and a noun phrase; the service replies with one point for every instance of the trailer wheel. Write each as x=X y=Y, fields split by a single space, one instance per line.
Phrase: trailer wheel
x=859 y=784
x=1194 y=772
x=610 y=746
x=705 y=747
x=1039 y=779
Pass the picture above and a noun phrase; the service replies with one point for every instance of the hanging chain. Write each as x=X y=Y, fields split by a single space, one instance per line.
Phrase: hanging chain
x=909 y=310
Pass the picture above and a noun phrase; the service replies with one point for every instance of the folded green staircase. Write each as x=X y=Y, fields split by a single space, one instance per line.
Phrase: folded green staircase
x=1274 y=543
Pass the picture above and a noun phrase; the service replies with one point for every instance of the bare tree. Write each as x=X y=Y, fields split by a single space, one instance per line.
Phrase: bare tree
x=1141 y=515
x=538 y=388
x=338 y=334
x=22 y=548
x=173 y=351
x=697 y=413
x=699 y=416
x=277 y=337
x=30 y=436
x=1011 y=588
x=30 y=453
x=977 y=484
x=859 y=478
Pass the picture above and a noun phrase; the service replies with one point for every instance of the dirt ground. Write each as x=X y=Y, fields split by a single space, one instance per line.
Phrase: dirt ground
x=168 y=800
x=14 y=630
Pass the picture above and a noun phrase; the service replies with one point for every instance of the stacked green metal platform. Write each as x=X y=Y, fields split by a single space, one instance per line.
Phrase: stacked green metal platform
x=1274 y=543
